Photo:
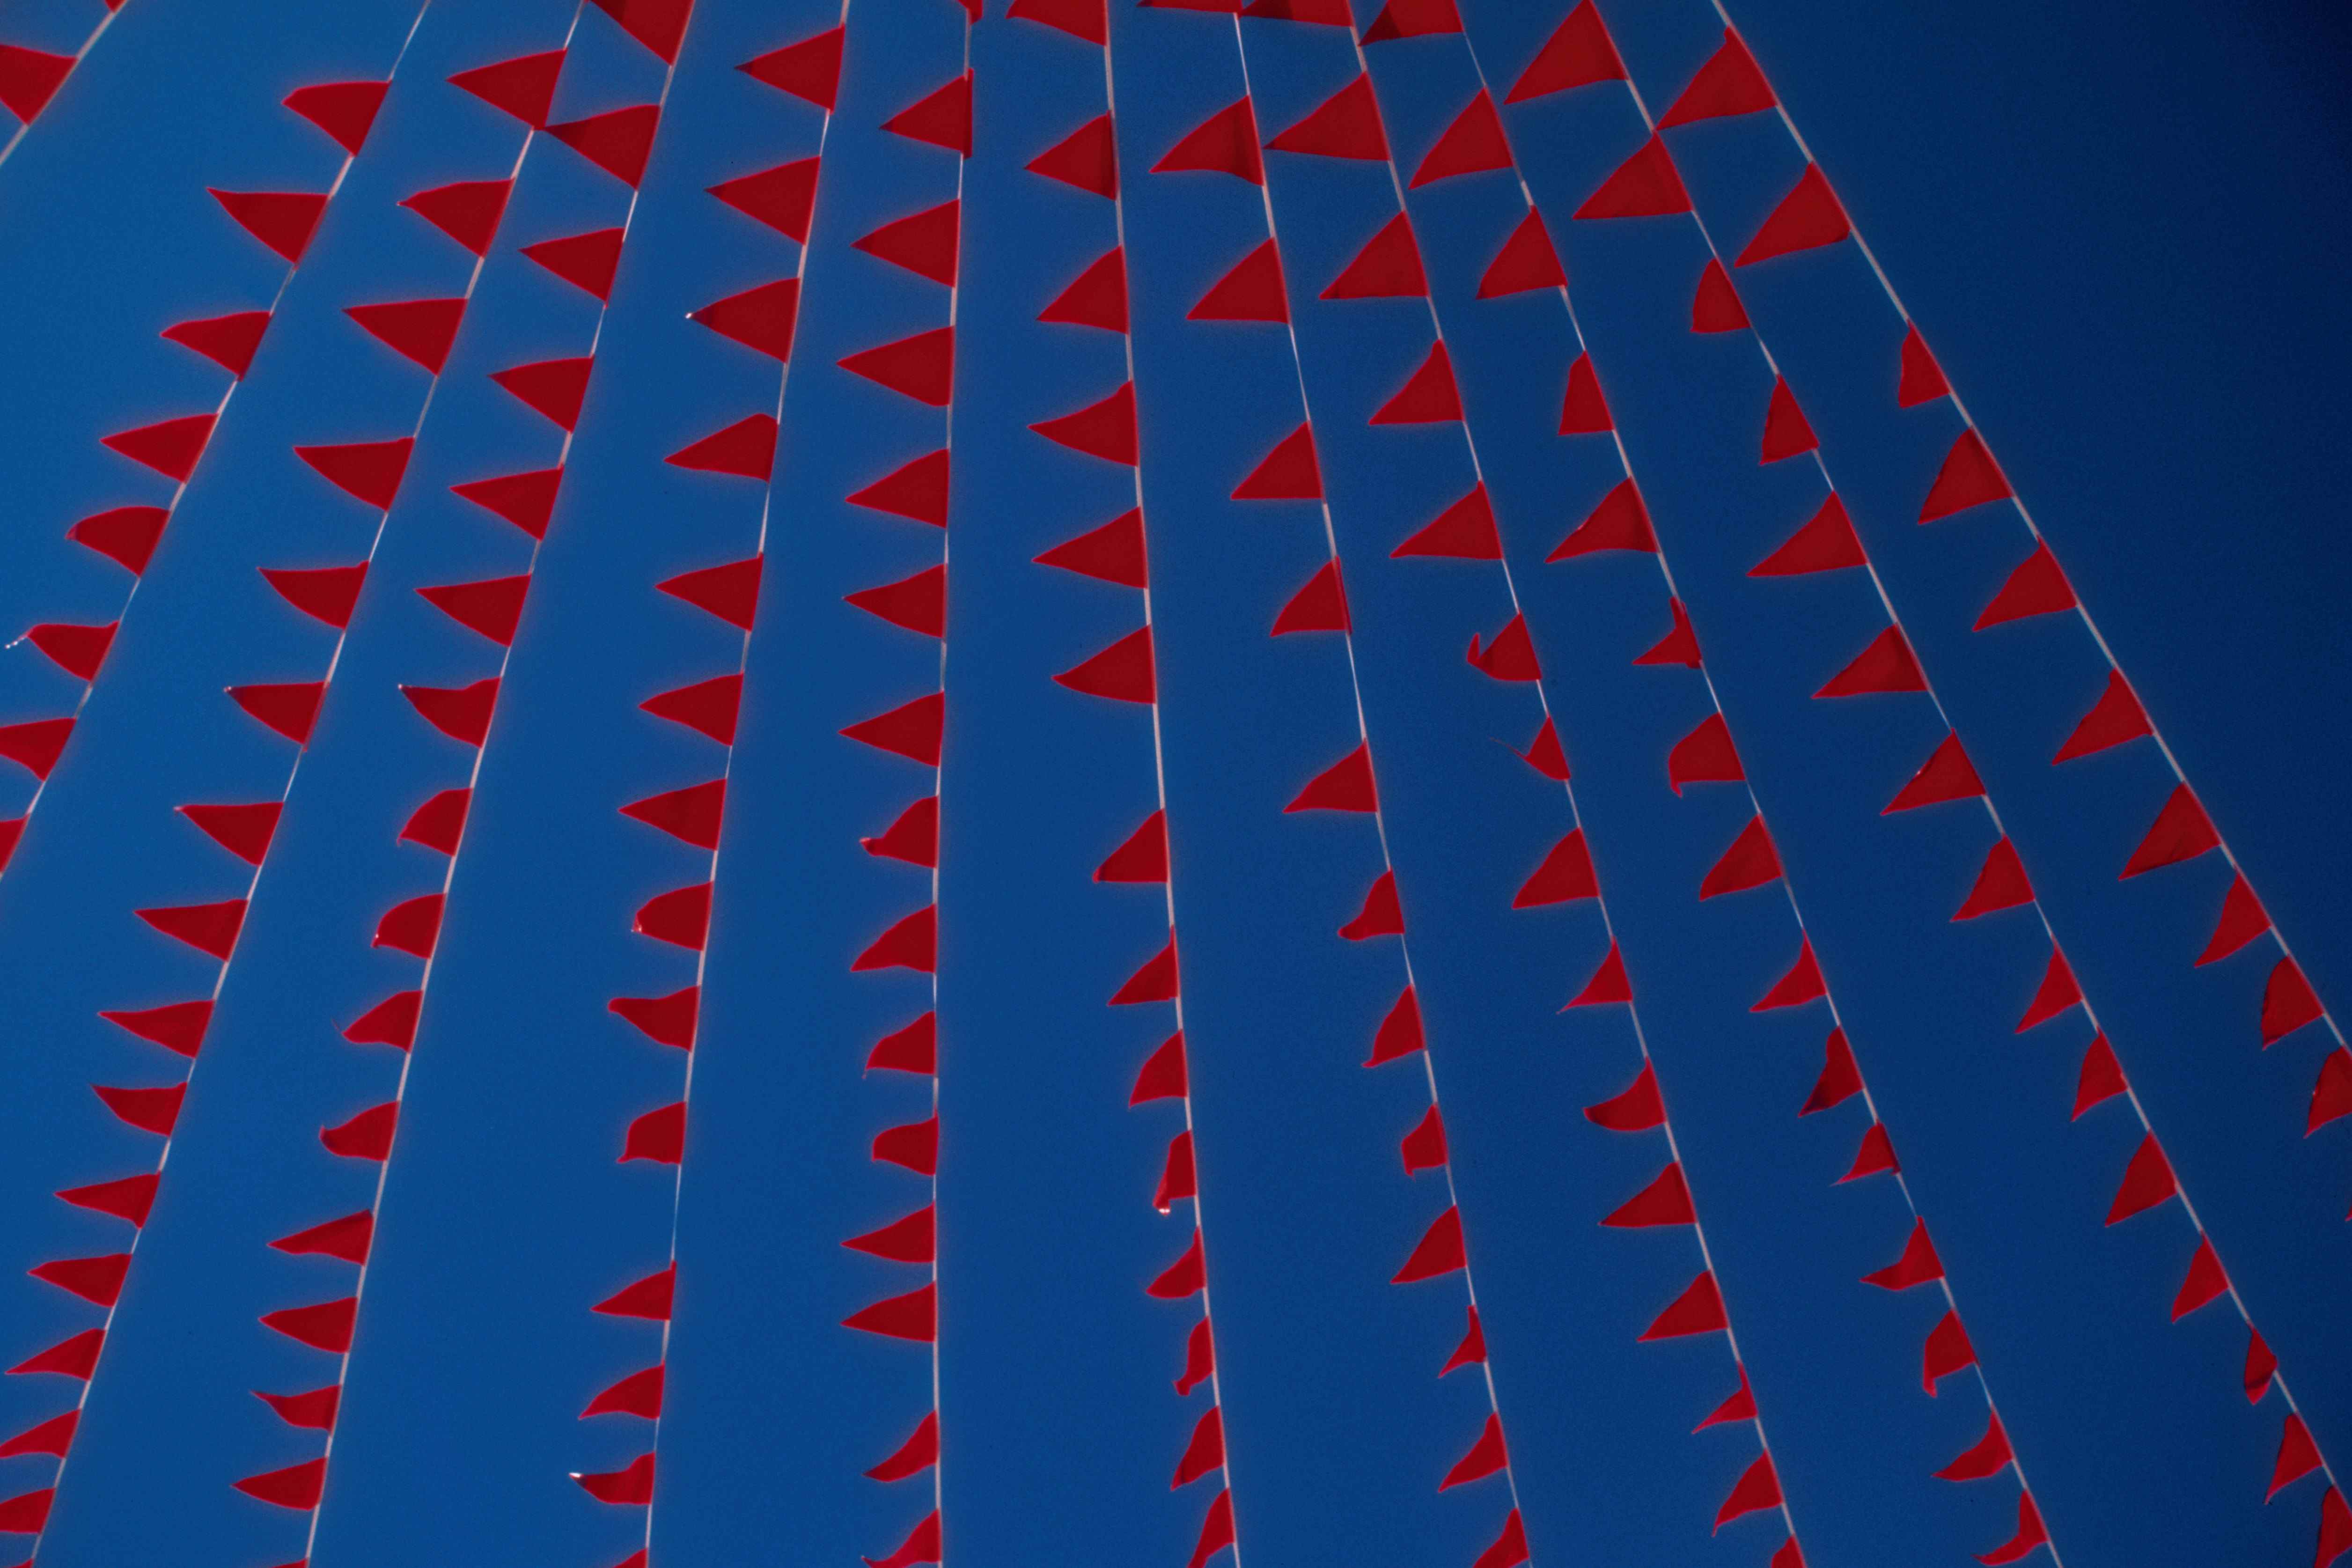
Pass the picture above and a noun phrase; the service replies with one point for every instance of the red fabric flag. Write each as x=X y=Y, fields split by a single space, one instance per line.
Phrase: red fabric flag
x=922 y=367
x=1289 y=472
x=553 y=388
x=368 y=471
x=1205 y=1452
x=2331 y=1094
x=367 y=1136
x=761 y=319
x=2242 y=919
x=1566 y=874
x=919 y=1453
x=1424 y=1147
x=75 y=1357
x=460 y=712
x=2261 y=1365
x=2056 y=993
x=412 y=926
x=2036 y=588
x=708 y=706
x=1104 y=429
x=745 y=450
x=810 y=69
x=1079 y=18
x=1462 y=531
x=210 y=929
x=323 y=1326
x=1319 y=606
x=1487 y=1456
x=1544 y=755
x=1400 y=1034
x=1511 y=656
x=1730 y=83
x=1665 y=1201
x=149 y=1110
x=1087 y=158
x=941 y=117
x=586 y=261
x=1619 y=522
x=1750 y=862
x=178 y=1026
x=490 y=608
x=1875 y=1157
x=1143 y=857
x=1801 y=985
x=1697 y=1310
x=914 y=1147
x=912 y=942
x=649 y=1297
x=1473 y=144
x=1224 y=143
x=283 y=220
x=1917 y=1266
x=2100 y=1079
x=1428 y=397
x=468 y=212
x=1808 y=217
x=1111 y=554
x=1155 y=982
x=325 y=594
x=618 y=141
x=1646 y=185
x=1183 y=1278
x=30 y=78
x=665 y=1020
x=527 y=501
x=1177 y=1179
x=295 y=1488
x=2181 y=832
x=1969 y=478
x=1739 y=1406
x=782 y=197
x=917 y=491
x=1945 y=776
x=1705 y=755
x=1609 y=984
x=125 y=535
x=1526 y=262
x=1786 y=432
x=35 y=744
x=921 y=1546
x=1388 y=268
x=1162 y=1075
x=523 y=87
x=2000 y=885
x=730 y=592
x=245 y=831
x=692 y=814
x=914 y=1049
x=1510 y=1548
x=417 y=330
x=1439 y=1251
x=1252 y=291
x=1401 y=19
x=911 y=1239
x=1758 y=1488
x=1922 y=379
x=346 y=1238
x=2114 y=718
x=1345 y=125
x=1948 y=1351
x=1382 y=915
x=2148 y=1181
x=639 y=1394
x=1715 y=306
x=658 y=24
x=391 y=1021
x=2204 y=1281
x=1096 y=298
x=680 y=917
x=2335 y=1529
x=1345 y=785
x=1584 y=412
x=1987 y=1455
x=1635 y=1109
x=2031 y=1536
x=1887 y=665
x=911 y=730
x=630 y=1487
x=170 y=446
x=1679 y=646
x=913 y=837
x=1216 y=1530
x=98 y=1280
x=229 y=342
x=1471 y=1351
x=52 y=1437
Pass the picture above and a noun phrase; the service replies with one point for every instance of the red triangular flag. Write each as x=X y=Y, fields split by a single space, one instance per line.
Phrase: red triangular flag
x=288 y=708
x=1609 y=983
x=922 y=367
x=490 y=608
x=1584 y=412
x=1155 y=981
x=2100 y=1079
x=1636 y=1109
x=468 y=212
x=170 y=446
x=1104 y=429
x=1511 y=656
x=1400 y=1034
x=1424 y=1147
x=1345 y=125
x=1801 y=985
x=1987 y=1455
x=460 y=712
x=1566 y=874
x=553 y=389
x=730 y=592
x=911 y=943
x=708 y=706
x=1096 y=298
x=782 y=197
x=2056 y=993
x=1945 y=776
x=1388 y=268
x=2288 y=1003
x=586 y=261
x=1462 y=531
x=1786 y=432
x=1251 y=291
x=368 y=471
x=1224 y=143
x=1917 y=1266
x=1471 y=1351
x=1345 y=785
x=924 y=243
x=30 y=78
x=1142 y=857
x=1121 y=672
x=1111 y=554
x=1079 y=18
x=1319 y=606
x=2000 y=885
x=210 y=929
x=523 y=87
x=919 y=603
x=941 y=117
x=1887 y=665
x=1666 y=1201
x=2148 y=1181
x=659 y=25
x=1473 y=144
x=761 y=319
x=1289 y=472
x=1705 y=755
x=2181 y=832
x=125 y=535
x=1428 y=395
x=1697 y=1310
x=1729 y=83
x=1808 y=218
x=1205 y=1452
x=1579 y=53
x=2242 y=919
x=1382 y=915
x=229 y=342
x=1162 y=1075
x=810 y=69
x=1874 y=1157
x=76 y=649
x=1715 y=306
x=618 y=141
x=1841 y=1078
x=917 y=491
x=1969 y=478
x=2204 y=1282
x=1619 y=522
x=1922 y=379
x=283 y=220
x=345 y=110
x=1544 y=755
x=1644 y=186
x=1487 y=1456
x=1750 y=862
x=1525 y=261
x=1439 y=1251
x=527 y=501
x=910 y=730
x=2114 y=718
x=1758 y=1488
x=2036 y=588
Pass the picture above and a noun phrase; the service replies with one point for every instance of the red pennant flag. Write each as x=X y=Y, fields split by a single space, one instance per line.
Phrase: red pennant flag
x=1705 y=755
x=1205 y=1452
x=1758 y=1488
x=1665 y=1201
x=1464 y=531
x=1183 y=1278
x=632 y=1486
x=1473 y=144
x=1786 y=432
x=98 y=1280
x=462 y=713
x=2114 y=718
x=1948 y=1351
x=1104 y=429
x=367 y=1136
x=125 y=535
x=1289 y=472
x=1511 y=656
x=911 y=943
x=2181 y=832
x=921 y=1546
x=922 y=367
x=179 y=1026
x=1945 y=776
x=391 y=1021
x=1969 y=478
x=639 y=1394
x=1644 y=186
x=1801 y=985
x=586 y=261
x=490 y=608
x=1750 y=862
x=618 y=141
x=1403 y=19
x=52 y=1437
x=708 y=706
x=1079 y=18
x=1566 y=874
x=782 y=197
x=2031 y=1536
x=2331 y=1095
x=1345 y=785
x=917 y=491
x=1388 y=268
x=2261 y=1366
x=1609 y=983
x=2000 y=885
x=1121 y=672
x=326 y=593
x=417 y=329
x=1224 y=143
x=1510 y=1548
x=75 y=1357
x=2100 y=1079
x=154 y=1110
x=908 y=1240
x=1887 y=665
x=283 y=220
x=523 y=87
x=2056 y=993
x=2204 y=1282
x=1697 y=1310
x=1543 y=752
x=1471 y=1351
x=2242 y=919
x=169 y=447
x=1177 y=1178
x=1096 y=298
x=1216 y=1530
x=1382 y=915
x=526 y=500
x=658 y=24
x=210 y=929
x=1730 y=83
x=648 y=1298
x=2148 y=1181
x=942 y=118
x=296 y=1487
x=346 y=1238
x=1841 y=1078
x=1715 y=306
x=665 y=1020
x=1637 y=1109
x=1679 y=646
x=691 y=815
x=368 y=471
x=1428 y=395
x=1808 y=218
x=77 y=650
x=1487 y=1456
x=413 y=926
x=1526 y=261
x=1345 y=125
x=1155 y=982
x=919 y=604
x=1584 y=412
x=1252 y=291
x=468 y=212
x=553 y=389
x=810 y=69
x=1111 y=554
x=30 y=79
x=680 y=917
x=914 y=1146
x=1424 y=1147
x=1917 y=1266
x=290 y=709
x=761 y=319
x=1740 y=1406
x=2335 y=1529
x=1578 y=54
x=1922 y=379
x=1987 y=1455
x=730 y=592
x=1320 y=607
x=1875 y=1157
x=35 y=744
x=2036 y=588
x=229 y=342
x=1400 y=1034
x=911 y=730
x=1439 y=1251
x=917 y=1454
x=323 y=1326
x=1163 y=1074
x=1619 y=522
x=1087 y=158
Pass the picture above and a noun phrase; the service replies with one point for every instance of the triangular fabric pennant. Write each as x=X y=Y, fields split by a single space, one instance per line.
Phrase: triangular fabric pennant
x=2100 y=1079
x=924 y=243
x=922 y=367
x=1510 y=1548
x=782 y=197
x=523 y=87
x=1113 y=552
x=665 y=1020
x=1917 y=1266
x=126 y=535
x=1216 y=1530
x=468 y=212
x=1121 y=672
x=347 y=1238
x=917 y=491
x=1462 y=531
x=366 y=1136
x=639 y=1394
x=2036 y=588
x=1750 y=862
x=1473 y=144
x=1345 y=125
x=460 y=712
x=1758 y=1488
x=1104 y=429
x=2117 y=717
x=1645 y=184
x=710 y=707
x=490 y=608
x=1439 y=1252
x=1096 y=298
x=1801 y=985
x=30 y=79
x=1715 y=306
x=1705 y=755
x=229 y=342
x=649 y=1297
x=554 y=389
x=290 y=708
x=1874 y=1157
x=1887 y=664
x=631 y=1487
x=745 y=450
x=1526 y=261
x=1697 y=1310
x=170 y=446
x=526 y=500
x=619 y=141
x=1345 y=785
x=586 y=261
x=210 y=929
x=919 y=604
x=1424 y=1147
x=1388 y=268
x=911 y=730
x=2031 y=1536
x=155 y=1110
x=2204 y=1282
x=412 y=926
x=911 y=942
x=1289 y=472
x=98 y=1280
x=1635 y=1109
x=1739 y=1406
x=1401 y=1034
x=1969 y=478
x=1583 y=411
x=77 y=650
x=912 y=1239
x=1383 y=913
x=283 y=220
x=1619 y=522
x=177 y=1026
x=1183 y=1278
x=1922 y=379
x=2000 y=885
x=1945 y=776
x=368 y=471
x=391 y=1021
x=1086 y=159
x=2056 y=993
x=1511 y=656
x=2288 y=1003
x=914 y=1049
x=1155 y=981
x=1428 y=397
x=1321 y=605
x=1407 y=19
x=2181 y=832
x=1730 y=83
x=1987 y=1455
x=1141 y=856
x=810 y=69
x=1544 y=753
x=1205 y=1452
x=1079 y=18
x=1666 y=1201
x=658 y=24
x=1565 y=875
x=1609 y=983
x=1224 y=143
x=942 y=118
x=1948 y=1351
x=296 y=1487
x=1251 y=291
x=1162 y=1077
x=1579 y=53
x=1471 y=1351
x=1841 y=1077
x=1808 y=218
x=2335 y=1529
x=1786 y=432
x=1487 y=1456
x=130 y=1199
x=761 y=319
x=692 y=814
x=323 y=1326
x=1679 y=646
